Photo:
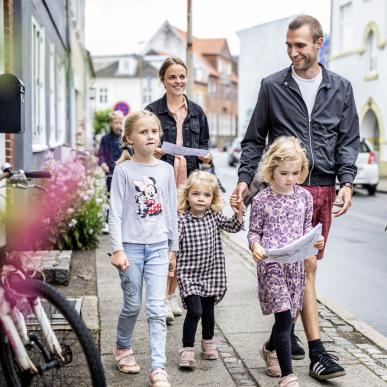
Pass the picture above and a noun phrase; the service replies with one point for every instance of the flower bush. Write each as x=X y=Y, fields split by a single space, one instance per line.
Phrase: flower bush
x=71 y=213
x=77 y=197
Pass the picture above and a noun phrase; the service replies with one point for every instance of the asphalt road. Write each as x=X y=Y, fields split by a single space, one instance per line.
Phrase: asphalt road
x=353 y=272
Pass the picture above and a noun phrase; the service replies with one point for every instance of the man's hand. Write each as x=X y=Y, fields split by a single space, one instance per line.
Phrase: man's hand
x=159 y=153
x=239 y=208
x=320 y=243
x=344 y=200
x=241 y=191
x=119 y=260
x=206 y=159
x=172 y=263
x=105 y=168
x=258 y=252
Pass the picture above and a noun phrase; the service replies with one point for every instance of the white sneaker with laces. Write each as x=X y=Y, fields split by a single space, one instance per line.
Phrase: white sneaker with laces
x=168 y=312
x=175 y=307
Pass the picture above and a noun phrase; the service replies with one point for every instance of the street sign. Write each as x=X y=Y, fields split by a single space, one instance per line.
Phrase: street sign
x=122 y=106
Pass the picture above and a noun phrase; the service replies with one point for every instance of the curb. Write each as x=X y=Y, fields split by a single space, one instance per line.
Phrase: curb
x=362 y=327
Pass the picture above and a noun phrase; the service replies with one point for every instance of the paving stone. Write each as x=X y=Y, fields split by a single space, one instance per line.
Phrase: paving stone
x=230 y=360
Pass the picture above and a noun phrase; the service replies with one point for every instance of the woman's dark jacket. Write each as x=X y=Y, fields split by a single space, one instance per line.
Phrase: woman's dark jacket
x=195 y=129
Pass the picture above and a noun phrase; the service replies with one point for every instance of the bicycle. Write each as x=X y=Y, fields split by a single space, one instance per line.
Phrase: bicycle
x=35 y=351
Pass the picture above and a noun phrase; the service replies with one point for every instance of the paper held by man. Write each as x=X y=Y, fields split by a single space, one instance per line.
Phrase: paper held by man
x=177 y=150
x=298 y=250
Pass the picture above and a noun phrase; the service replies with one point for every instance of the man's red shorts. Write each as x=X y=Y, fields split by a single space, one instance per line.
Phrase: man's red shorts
x=323 y=198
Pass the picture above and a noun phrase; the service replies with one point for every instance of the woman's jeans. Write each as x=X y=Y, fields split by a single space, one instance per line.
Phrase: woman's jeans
x=148 y=262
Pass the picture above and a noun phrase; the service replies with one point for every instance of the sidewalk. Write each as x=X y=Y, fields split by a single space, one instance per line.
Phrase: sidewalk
x=382 y=186
x=241 y=330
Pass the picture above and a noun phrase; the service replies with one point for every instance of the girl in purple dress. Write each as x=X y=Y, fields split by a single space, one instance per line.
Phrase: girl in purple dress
x=280 y=214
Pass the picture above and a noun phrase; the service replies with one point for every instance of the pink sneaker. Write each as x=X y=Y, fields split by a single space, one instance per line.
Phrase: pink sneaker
x=125 y=360
x=209 y=350
x=290 y=380
x=272 y=366
x=187 y=357
x=159 y=378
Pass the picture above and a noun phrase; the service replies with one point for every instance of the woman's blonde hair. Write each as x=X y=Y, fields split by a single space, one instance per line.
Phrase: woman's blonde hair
x=200 y=177
x=131 y=119
x=284 y=148
x=168 y=63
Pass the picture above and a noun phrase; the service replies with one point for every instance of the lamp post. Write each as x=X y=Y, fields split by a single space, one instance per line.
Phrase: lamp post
x=141 y=71
x=189 y=53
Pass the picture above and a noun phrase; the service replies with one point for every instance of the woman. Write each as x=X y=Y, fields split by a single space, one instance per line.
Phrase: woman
x=184 y=123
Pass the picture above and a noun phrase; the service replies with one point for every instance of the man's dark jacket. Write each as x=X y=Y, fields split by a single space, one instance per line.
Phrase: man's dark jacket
x=195 y=129
x=330 y=137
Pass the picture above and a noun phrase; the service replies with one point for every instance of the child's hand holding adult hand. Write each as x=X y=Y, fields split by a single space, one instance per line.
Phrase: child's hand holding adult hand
x=172 y=263
x=239 y=208
x=258 y=252
x=320 y=243
x=119 y=260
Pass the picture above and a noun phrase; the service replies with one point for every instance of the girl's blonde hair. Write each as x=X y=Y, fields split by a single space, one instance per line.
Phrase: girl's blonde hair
x=284 y=148
x=116 y=114
x=200 y=177
x=131 y=119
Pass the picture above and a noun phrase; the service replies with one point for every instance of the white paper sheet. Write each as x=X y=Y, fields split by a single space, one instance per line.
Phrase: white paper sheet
x=176 y=150
x=298 y=250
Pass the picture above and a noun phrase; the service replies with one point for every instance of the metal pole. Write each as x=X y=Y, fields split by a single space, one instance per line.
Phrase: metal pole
x=189 y=53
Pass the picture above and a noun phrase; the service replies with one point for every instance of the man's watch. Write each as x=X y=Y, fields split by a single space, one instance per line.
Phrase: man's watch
x=346 y=185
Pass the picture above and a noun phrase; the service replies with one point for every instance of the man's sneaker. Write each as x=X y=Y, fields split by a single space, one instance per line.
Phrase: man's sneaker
x=270 y=357
x=298 y=352
x=175 y=307
x=324 y=366
x=168 y=312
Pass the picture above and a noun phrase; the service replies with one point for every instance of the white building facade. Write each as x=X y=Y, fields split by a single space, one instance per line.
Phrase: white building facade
x=262 y=52
x=359 y=53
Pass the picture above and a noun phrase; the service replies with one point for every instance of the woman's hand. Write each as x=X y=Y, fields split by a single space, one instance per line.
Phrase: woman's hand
x=119 y=260
x=159 y=153
x=172 y=263
x=206 y=159
x=320 y=243
x=258 y=252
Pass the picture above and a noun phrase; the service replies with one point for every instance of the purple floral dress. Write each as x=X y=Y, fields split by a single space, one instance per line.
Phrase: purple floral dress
x=276 y=220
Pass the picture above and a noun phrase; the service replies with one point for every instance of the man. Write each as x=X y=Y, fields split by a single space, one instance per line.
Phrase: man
x=110 y=150
x=317 y=106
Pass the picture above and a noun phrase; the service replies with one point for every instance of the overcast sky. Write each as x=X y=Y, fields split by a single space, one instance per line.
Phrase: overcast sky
x=118 y=26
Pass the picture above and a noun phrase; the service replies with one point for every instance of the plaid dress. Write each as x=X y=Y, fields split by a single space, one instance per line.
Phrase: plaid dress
x=200 y=260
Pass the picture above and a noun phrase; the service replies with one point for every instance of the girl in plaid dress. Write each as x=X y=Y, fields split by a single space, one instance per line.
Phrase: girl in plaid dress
x=280 y=214
x=201 y=272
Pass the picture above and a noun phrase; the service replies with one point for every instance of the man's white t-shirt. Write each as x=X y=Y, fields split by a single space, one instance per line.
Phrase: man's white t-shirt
x=308 y=88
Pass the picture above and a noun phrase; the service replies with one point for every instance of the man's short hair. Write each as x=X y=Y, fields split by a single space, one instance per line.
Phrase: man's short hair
x=312 y=22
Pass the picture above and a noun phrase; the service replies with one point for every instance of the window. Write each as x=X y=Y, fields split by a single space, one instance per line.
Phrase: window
x=60 y=101
x=39 y=142
x=52 y=93
x=103 y=95
x=371 y=52
x=345 y=26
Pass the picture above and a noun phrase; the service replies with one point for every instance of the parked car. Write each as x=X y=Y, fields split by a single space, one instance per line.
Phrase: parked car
x=367 y=168
x=234 y=152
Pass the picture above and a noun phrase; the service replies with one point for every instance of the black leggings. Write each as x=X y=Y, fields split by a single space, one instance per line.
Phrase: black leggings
x=198 y=307
x=280 y=341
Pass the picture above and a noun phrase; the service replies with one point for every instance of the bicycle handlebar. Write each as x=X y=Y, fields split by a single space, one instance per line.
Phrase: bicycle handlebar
x=38 y=175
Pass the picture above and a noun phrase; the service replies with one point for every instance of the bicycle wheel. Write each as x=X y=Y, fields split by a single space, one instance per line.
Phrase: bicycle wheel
x=82 y=366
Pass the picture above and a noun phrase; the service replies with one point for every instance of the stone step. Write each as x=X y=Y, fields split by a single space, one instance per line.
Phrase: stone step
x=54 y=264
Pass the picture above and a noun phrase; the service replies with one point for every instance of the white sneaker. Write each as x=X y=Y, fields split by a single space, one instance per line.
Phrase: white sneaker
x=168 y=312
x=175 y=307
x=105 y=229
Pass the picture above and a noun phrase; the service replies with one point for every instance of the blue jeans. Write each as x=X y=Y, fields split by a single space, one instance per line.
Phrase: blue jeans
x=148 y=262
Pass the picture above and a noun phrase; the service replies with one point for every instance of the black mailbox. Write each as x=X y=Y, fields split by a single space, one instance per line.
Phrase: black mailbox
x=11 y=104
